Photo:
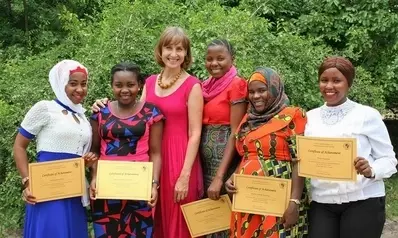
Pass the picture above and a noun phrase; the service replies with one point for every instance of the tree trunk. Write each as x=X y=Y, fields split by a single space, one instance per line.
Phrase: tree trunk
x=9 y=10
x=25 y=8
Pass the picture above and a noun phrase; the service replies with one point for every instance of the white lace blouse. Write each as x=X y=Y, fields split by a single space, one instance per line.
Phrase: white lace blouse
x=354 y=120
x=55 y=131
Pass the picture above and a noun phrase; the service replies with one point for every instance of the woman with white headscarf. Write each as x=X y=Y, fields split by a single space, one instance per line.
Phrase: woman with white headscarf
x=62 y=132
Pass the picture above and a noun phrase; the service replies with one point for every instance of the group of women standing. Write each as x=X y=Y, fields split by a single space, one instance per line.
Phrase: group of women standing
x=197 y=134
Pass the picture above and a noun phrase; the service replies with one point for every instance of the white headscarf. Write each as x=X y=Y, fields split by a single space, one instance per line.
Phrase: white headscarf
x=59 y=78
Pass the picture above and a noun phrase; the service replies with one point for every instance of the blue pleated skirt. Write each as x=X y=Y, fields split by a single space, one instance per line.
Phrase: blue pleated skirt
x=65 y=218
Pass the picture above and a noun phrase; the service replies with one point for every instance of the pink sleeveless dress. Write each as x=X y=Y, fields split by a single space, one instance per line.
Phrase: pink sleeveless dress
x=169 y=220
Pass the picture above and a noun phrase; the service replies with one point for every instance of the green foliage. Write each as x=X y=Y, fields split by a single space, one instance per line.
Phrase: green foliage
x=364 y=31
x=392 y=197
x=11 y=204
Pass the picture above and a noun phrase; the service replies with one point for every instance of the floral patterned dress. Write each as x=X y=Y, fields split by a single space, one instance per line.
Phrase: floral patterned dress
x=267 y=151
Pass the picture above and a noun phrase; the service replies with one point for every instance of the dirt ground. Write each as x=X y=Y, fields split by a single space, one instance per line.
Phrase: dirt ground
x=390 y=229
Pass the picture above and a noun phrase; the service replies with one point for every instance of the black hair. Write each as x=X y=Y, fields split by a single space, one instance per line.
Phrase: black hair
x=127 y=66
x=225 y=43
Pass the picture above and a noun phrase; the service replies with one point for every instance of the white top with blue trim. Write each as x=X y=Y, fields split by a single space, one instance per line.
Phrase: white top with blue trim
x=55 y=131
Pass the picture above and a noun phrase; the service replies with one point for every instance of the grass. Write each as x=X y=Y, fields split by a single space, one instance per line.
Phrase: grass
x=392 y=197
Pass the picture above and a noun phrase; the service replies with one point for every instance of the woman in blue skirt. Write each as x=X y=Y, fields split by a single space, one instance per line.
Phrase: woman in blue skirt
x=62 y=132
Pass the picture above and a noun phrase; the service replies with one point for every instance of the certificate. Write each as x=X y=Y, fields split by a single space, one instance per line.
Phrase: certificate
x=327 y=158
x=207 y=216
x=124 y=180
x=58 y=179
x=261 y=195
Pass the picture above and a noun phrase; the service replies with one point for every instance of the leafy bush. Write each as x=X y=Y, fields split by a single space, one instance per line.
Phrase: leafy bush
x=122 y=30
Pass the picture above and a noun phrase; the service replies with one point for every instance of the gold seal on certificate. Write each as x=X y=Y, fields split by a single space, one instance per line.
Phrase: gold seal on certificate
x=125 y=180
x=261 y=195
x=58 y=179
x=327 y=158
x=207 y=216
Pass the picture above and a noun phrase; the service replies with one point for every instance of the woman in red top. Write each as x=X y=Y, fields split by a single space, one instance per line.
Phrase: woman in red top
x=225 y=105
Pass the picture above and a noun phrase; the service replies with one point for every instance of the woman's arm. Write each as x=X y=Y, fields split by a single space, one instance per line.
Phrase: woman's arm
x=95 y=148
x=21 y=161
x=155 y=148
x=195 y=112
x=20 y=156
x=96 y=142
x=237 y=113
x=291 y=215
x=384 y=164
x=155 y=145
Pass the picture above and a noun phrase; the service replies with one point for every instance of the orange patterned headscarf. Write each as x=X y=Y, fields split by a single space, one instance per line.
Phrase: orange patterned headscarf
x=277 y=100
x=257 y=77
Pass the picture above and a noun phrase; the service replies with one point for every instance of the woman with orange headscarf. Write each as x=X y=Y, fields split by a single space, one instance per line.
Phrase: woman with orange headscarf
x=266 y=142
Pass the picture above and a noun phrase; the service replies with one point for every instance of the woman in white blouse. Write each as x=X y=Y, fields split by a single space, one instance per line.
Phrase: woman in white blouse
x=62 y=132
x=349 y=209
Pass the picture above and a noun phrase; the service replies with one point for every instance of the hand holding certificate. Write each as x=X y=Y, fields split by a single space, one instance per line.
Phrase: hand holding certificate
x=207 y=216
x=57 y=179
x=327 y=158
x=124 y=180
x=261 y=195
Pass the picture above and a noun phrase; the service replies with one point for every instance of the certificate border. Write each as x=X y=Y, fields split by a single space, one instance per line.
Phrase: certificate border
x=351 y=141
x=40 y=164
x=211 y=230
x=149 y=191
x=287 y=182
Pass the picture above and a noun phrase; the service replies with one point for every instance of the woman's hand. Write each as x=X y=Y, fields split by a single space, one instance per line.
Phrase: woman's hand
x=98 y=104
x=93 y=188
x=90 y=158
x=181 y=188
x=213 y=192
x=362 y=167
x=230 y=186
x=291 y=215
x=154 y=197
x=28 y=197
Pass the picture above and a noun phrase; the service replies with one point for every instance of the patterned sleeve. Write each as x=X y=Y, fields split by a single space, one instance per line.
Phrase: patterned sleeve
x=95 y=116
x=157 y=115
x=297 y=127
x=36 y=118
x=300 y=120
x=238 y=91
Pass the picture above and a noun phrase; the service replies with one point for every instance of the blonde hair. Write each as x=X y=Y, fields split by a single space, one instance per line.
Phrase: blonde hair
x=174 y=35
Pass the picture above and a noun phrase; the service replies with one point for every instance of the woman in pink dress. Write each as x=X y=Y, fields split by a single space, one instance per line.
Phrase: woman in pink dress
x=179 y=96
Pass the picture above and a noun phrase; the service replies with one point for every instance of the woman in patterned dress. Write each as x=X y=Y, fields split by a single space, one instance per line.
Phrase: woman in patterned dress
x=266 y=142
x=62 y=132
x=126 y=130
x=224 y=94
x=179 y=96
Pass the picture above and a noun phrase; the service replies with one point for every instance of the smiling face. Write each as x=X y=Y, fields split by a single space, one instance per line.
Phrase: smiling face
x=125 y=87
x=333 y=86
x=218 y=60
x=258 y=95
x=76 y=89
x=173 y=55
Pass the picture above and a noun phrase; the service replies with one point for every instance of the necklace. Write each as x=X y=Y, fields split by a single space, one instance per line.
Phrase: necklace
x=166 y=86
